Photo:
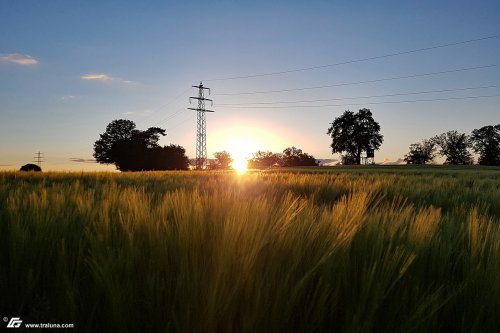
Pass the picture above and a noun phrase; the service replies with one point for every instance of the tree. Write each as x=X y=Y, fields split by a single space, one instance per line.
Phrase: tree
x=171 y=157
x=348 y=159
x=352 y=133
x=116 y=131
x=295 y=157
x=130 y=149
x=486 y=142
x=263 y=160
x=223 y=159
x=455 y=146
x=421 y=153
x=30 y=167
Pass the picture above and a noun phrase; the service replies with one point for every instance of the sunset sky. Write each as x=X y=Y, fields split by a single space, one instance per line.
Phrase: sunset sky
x=68 y=68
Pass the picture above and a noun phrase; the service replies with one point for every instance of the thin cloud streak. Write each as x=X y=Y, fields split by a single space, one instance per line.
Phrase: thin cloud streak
x=138 y=113
x=68 y=97
x=98 y=77
x=103 y=77
x=18 y=58
x=82 y=160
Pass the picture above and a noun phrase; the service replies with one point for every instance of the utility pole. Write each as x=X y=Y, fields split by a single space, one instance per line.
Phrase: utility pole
x=38 y=159
x=201 y=130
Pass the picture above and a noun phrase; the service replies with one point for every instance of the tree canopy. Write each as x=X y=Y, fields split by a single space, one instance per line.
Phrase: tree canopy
x=130 y=149
x=30 y=167
x=290 y=157
x=352 y=133
x=486 y=142
x=455 y=146
x=295 y=157
x=421 y=153
x=222 y=160
x=263 y=160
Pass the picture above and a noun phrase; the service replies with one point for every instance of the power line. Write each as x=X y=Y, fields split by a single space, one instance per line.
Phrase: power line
x=162 y=106
x=185 y=120
x=172 y=115
x=357 y=60
x=359 y=97
x=371 y=103
x=359 y=82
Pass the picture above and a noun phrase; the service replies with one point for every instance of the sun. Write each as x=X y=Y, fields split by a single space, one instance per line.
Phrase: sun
x=241 y=138
x=241 y=150
x=240 y=165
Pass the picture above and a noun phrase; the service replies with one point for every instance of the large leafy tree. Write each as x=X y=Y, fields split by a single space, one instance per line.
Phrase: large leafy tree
x=421 y=153
x=486 y=142
x=353 y=133
x=117 y=131
x=263 y=160
x=222 y=160
x=295 y=157
x=130 y=149
x=455 y=146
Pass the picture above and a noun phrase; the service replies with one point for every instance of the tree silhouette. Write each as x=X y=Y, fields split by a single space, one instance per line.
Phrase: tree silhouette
x=223 y=159
x=130 y=149
x=263 y=160
x=117 y=131
x=30 y=167
x=421 y=153
x=455 y=146
x=295 y=157
x=352 y=133
x=486 y=142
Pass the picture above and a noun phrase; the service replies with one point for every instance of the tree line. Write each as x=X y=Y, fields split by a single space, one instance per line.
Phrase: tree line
x=353 y=134
x=130 y=149
x=290 y=157
x=458 y=147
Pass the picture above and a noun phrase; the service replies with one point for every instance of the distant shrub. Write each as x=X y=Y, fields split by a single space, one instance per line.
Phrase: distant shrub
x=30 y=167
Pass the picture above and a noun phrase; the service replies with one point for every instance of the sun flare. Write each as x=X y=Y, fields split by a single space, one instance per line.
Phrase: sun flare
x=242 y=138
x=241 y=150
x=240 y=165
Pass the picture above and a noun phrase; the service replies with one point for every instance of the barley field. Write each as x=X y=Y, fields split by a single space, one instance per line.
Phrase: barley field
x=394 y=249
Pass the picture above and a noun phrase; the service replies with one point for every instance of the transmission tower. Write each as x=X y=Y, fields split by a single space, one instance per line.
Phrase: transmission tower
x=38 y=159
x=201 y=130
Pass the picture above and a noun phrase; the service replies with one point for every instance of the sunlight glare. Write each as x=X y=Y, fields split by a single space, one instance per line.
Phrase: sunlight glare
x=240 y=165
x=241 y=150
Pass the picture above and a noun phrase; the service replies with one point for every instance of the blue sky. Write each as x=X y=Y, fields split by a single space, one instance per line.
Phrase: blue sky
x=68 y=68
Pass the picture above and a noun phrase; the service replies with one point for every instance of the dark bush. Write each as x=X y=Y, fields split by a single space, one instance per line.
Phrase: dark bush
x=30 y=167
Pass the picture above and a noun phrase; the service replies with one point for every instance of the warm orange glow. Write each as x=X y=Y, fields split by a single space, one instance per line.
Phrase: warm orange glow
x=242 y=140
x=240 y=165
x=241 y=150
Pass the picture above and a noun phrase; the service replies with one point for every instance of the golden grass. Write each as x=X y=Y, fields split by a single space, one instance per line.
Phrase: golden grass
x=262 y=252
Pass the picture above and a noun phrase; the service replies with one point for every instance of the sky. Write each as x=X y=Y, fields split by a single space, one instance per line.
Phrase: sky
x=68 y=68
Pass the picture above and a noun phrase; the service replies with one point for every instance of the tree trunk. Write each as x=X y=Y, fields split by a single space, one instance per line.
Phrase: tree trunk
x=358 y=157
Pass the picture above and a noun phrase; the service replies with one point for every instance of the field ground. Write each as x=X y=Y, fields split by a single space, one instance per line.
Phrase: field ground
x=342 y=249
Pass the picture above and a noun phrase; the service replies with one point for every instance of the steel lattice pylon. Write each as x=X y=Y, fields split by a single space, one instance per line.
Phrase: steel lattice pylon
x=201 y=128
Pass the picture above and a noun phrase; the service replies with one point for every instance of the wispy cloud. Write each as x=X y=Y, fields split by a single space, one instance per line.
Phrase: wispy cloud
x=82 y=160
x=97 y=77
x=399 y=161
x=68 y=97
x=327 y=162
x=103 y=77
x=17 y=58
x=139 y=113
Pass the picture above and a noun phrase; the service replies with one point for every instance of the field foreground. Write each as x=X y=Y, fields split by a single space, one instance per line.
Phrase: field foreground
x=352 y=250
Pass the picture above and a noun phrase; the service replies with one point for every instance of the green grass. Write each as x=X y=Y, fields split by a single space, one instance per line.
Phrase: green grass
x=345 y=250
